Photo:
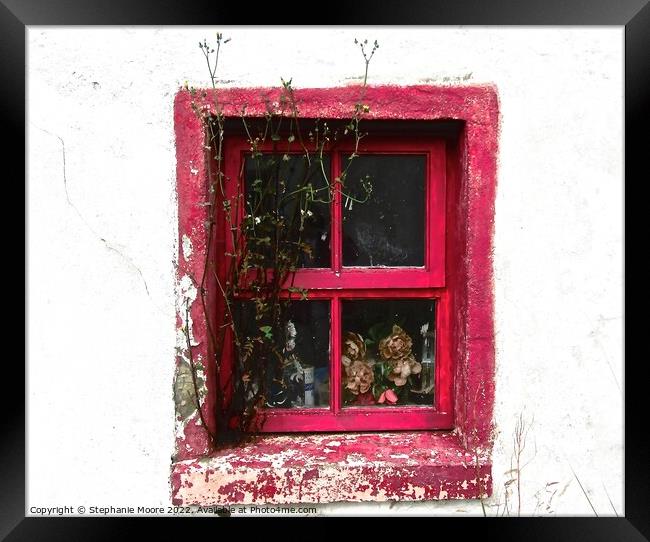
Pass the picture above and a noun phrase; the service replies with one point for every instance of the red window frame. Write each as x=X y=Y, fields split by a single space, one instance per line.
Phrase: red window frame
x=339 y=283
x=423 y=465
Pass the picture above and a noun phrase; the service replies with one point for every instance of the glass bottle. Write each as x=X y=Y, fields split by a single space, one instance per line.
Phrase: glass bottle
x=428 y=360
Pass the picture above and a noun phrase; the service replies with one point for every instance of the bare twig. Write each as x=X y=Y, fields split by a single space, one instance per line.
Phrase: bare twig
x=280 y=247
x=190 y=357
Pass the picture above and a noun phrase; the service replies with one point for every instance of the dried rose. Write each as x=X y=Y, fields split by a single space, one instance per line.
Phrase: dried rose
x=403 y=368
x=353 y=346
x=397 y=345
x=359 y=377
x=346 y=362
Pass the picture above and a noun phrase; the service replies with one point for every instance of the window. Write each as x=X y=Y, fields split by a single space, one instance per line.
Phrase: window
x=376 y=279
x=438 y=271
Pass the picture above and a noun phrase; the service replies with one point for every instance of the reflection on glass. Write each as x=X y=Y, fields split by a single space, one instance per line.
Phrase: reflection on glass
x=388 y=352
x=388 y=229
x=270 y=180
x=303 y=344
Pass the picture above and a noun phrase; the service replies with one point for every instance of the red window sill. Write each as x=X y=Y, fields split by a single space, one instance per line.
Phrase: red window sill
x=405 y=466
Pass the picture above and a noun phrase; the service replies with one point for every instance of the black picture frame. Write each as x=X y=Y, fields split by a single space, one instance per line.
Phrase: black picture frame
x=15 y=15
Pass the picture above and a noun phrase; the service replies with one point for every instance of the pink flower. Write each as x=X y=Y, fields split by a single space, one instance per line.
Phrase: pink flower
x=391 y=396
x=388 y=395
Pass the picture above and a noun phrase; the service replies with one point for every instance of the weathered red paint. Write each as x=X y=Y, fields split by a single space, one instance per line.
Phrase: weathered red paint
x=270 y=474
x=336 y=467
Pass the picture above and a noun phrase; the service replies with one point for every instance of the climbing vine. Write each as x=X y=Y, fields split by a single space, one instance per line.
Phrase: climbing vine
x=268 y=211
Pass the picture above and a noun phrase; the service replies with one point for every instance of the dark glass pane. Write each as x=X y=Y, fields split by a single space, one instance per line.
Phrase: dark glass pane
x=270 y=181
x=388 y=352
x=302 y=342
x=388 y=229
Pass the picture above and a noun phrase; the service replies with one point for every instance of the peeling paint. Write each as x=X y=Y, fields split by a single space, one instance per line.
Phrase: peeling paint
x=187 y=293
x=283 y=469
x=184 y=396
x=187 y=247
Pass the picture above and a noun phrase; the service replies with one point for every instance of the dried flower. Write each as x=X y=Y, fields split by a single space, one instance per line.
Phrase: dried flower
x=346 y=361
x=354 y=348
x=291 y=329
x=397 y=345
x=403 y=368
x=359 y=377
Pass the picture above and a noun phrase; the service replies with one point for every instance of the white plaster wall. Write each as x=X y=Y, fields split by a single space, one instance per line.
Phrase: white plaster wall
x=102 y=244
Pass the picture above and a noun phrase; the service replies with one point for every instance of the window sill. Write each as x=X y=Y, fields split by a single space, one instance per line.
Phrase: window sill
x=405 y=466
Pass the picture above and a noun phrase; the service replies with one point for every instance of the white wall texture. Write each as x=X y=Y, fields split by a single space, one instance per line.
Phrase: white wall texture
x=102 y=244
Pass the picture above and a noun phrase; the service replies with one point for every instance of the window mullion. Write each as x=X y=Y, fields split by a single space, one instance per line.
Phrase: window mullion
x=335 y=365
x=337 y=214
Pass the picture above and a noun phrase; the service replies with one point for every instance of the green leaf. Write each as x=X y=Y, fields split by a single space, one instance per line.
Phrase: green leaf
x=267 y=331
x=377 y=390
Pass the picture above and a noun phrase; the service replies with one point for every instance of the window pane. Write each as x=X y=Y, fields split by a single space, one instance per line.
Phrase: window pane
x=388 y=229
x=270 y=181
x=388 y=352
x=302 y=342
